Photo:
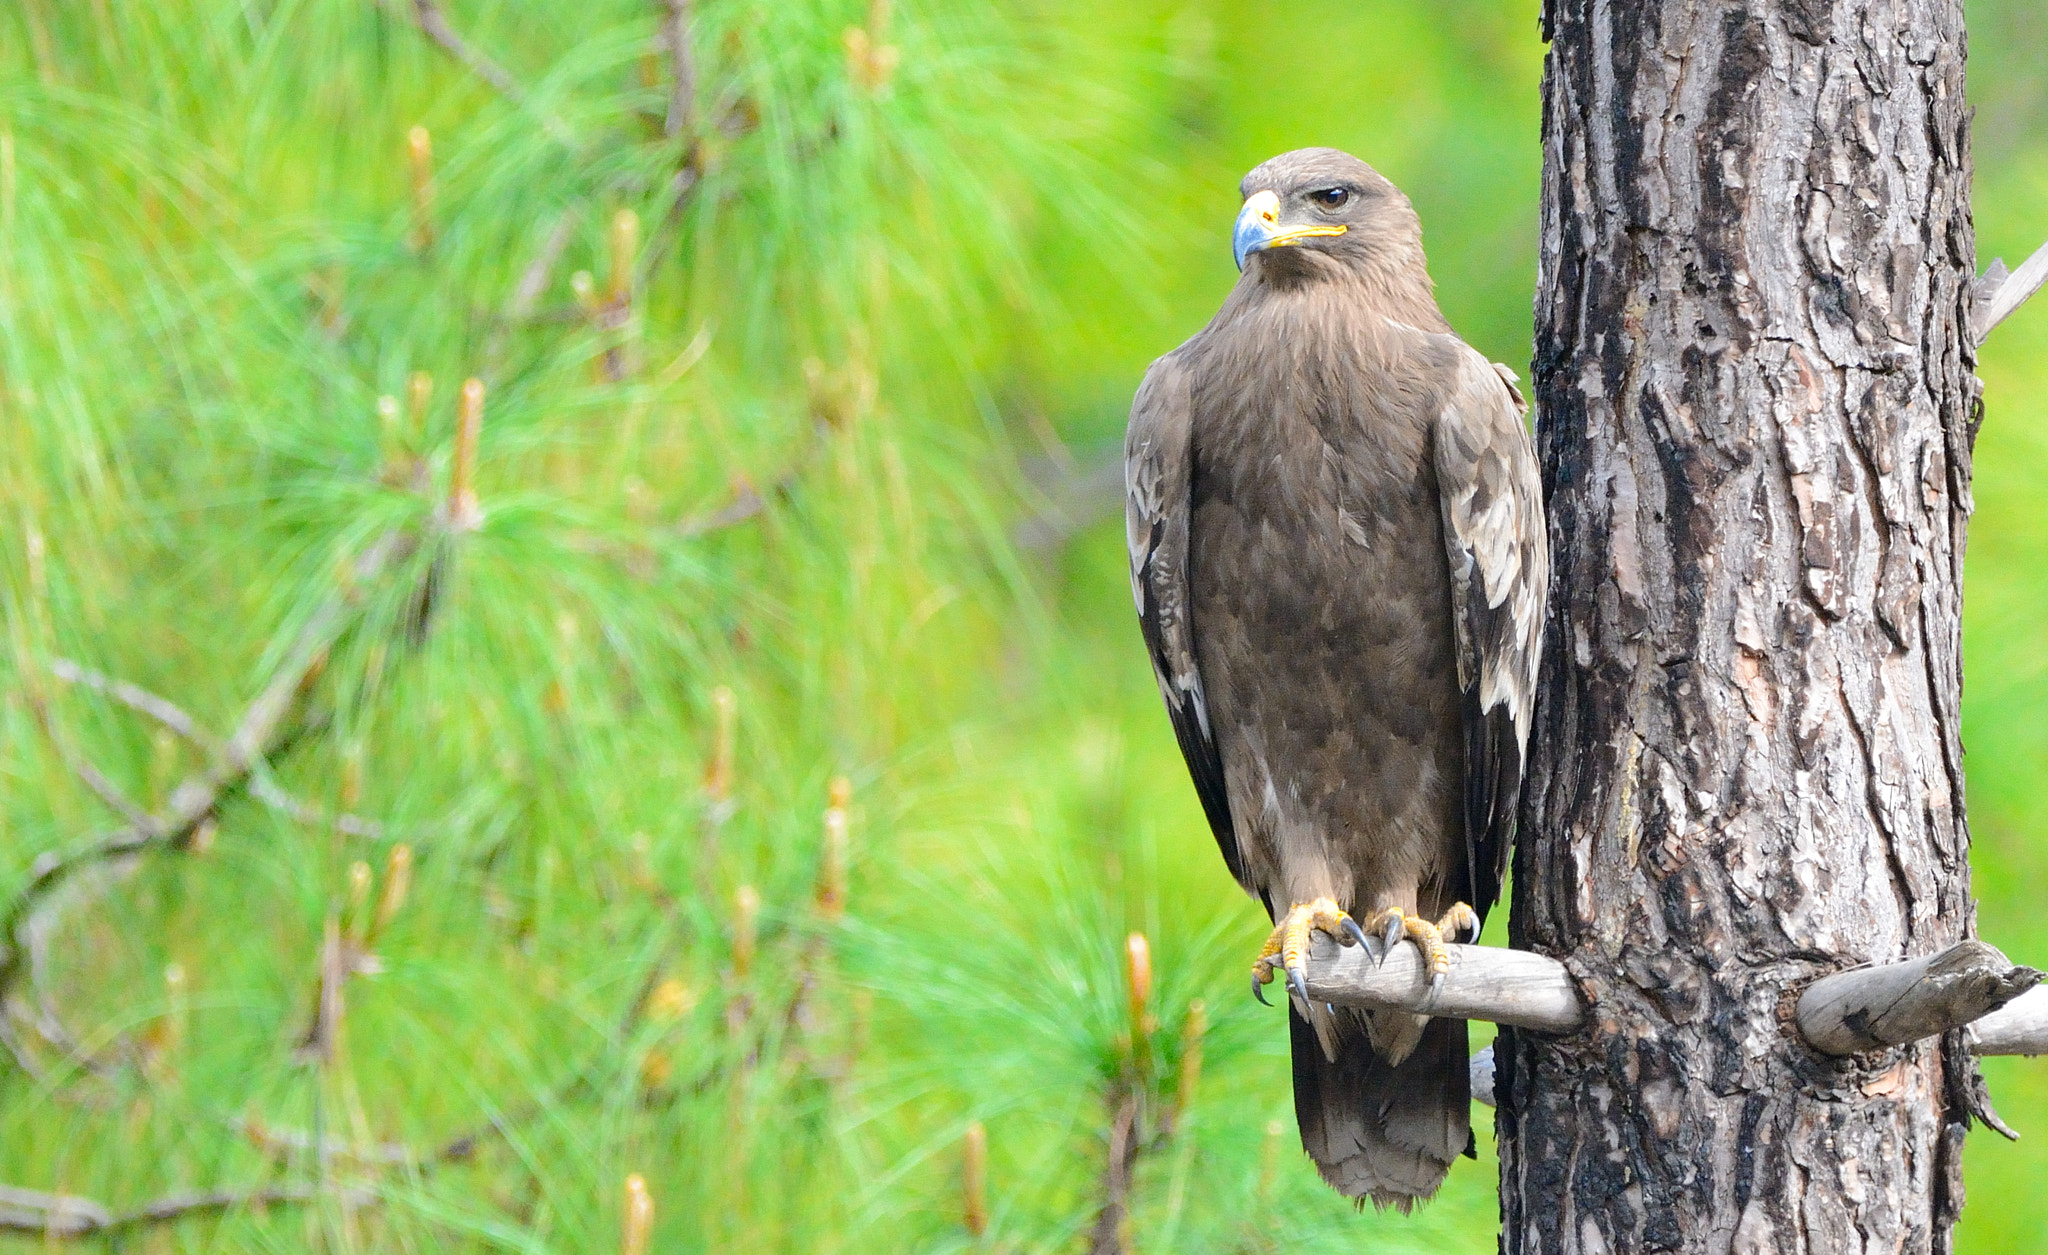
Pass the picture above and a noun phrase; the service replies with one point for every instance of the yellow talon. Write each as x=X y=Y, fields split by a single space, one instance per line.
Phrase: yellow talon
x=1286 y=948
x=1396 y=925
x=1461 y=920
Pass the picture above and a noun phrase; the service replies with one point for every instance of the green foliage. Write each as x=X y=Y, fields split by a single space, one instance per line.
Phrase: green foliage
x=766 y=455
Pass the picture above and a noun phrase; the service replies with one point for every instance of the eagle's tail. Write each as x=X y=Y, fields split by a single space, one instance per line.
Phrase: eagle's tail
x=1388 y=1132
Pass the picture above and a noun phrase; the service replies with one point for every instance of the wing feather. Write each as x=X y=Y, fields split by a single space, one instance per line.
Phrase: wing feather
x=1499 y=555
x=1157 y=471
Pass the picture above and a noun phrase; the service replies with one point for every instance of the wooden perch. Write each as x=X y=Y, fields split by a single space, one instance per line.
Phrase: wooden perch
x=1998 y=294
x=1890 y=1004
x=1484 y=983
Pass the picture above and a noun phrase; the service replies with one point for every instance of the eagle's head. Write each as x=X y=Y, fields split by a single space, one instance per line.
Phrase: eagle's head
x=1308 y=208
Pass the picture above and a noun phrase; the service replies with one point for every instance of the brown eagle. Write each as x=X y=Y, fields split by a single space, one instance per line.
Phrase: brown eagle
x=1337 y=550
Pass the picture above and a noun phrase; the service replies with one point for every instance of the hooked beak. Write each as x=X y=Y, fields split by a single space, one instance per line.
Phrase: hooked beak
x=1258 y=227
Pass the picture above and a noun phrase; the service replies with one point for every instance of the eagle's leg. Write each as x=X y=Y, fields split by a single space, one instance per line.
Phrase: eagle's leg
x=1461 y=922
x=1287 y=947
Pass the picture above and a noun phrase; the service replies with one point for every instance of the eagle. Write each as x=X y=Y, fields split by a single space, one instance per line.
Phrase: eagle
x=1338 y=555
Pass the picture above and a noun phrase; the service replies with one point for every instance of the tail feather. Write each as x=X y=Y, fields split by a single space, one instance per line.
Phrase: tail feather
x=1377 y=1130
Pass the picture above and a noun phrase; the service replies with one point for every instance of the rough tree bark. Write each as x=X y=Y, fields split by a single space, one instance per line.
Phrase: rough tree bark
x=1755 y=376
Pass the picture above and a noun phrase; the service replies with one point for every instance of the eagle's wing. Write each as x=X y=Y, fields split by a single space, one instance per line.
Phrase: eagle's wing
x=1492 y=500
x=1157 y=471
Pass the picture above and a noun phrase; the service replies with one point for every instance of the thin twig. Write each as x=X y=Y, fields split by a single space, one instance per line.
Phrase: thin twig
x=68 y=1217
x=138 y=699
x=95 y=779
x=533 y=283
x=681 y=188
x=747 y=501
x=682 y=97
x=1125 y=1145
x=276 y=1143
x=434 y=24
x=427 y=15
x=266 y=790
x=263 y=730
x=680 y=124
x=261 y=786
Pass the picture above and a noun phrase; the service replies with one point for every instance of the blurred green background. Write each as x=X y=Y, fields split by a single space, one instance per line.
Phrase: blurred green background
x=795 y=475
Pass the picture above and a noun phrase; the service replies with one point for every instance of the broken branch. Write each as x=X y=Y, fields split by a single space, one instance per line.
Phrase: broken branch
x=1998 y=294
x=1890 y=1004
x=2020 y=1027
x=2016 y=1028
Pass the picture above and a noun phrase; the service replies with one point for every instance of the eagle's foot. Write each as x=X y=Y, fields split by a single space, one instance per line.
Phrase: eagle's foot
x=1460 y=923
x=1286 y=949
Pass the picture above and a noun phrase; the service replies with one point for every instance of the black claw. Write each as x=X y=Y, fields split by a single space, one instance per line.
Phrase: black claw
x=1377 y=951
x=1259 y=990
x=1357 y=933
x=1297 y=984
x=1397 y=928
x=1436 y=984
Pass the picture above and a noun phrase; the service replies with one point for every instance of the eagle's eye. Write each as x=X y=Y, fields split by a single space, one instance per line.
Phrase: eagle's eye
x=1330 y=197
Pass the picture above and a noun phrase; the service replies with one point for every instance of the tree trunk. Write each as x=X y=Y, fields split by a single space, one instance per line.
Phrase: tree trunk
x=1754 y=371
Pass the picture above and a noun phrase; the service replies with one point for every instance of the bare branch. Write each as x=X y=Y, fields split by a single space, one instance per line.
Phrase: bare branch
x=280 y=1143
x=427 y=15
x=682 y=98
x=2020 y=1027
x=263 y=730
x=1970 y=984
x=95 y=779
x=109 y=792
x=1107 y=1237
x=1481 y=1068
x=138 y=699
x=266 y=790
x=1890 y=1004
x=434 y=24
x=1484 y=983
x=744 y=504
x=746 y=500
x=1997 y=300
x=68 y=1217
x=533 y=281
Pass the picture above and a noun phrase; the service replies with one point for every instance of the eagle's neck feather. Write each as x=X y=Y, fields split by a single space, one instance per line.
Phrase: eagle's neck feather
x=1391 y=284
